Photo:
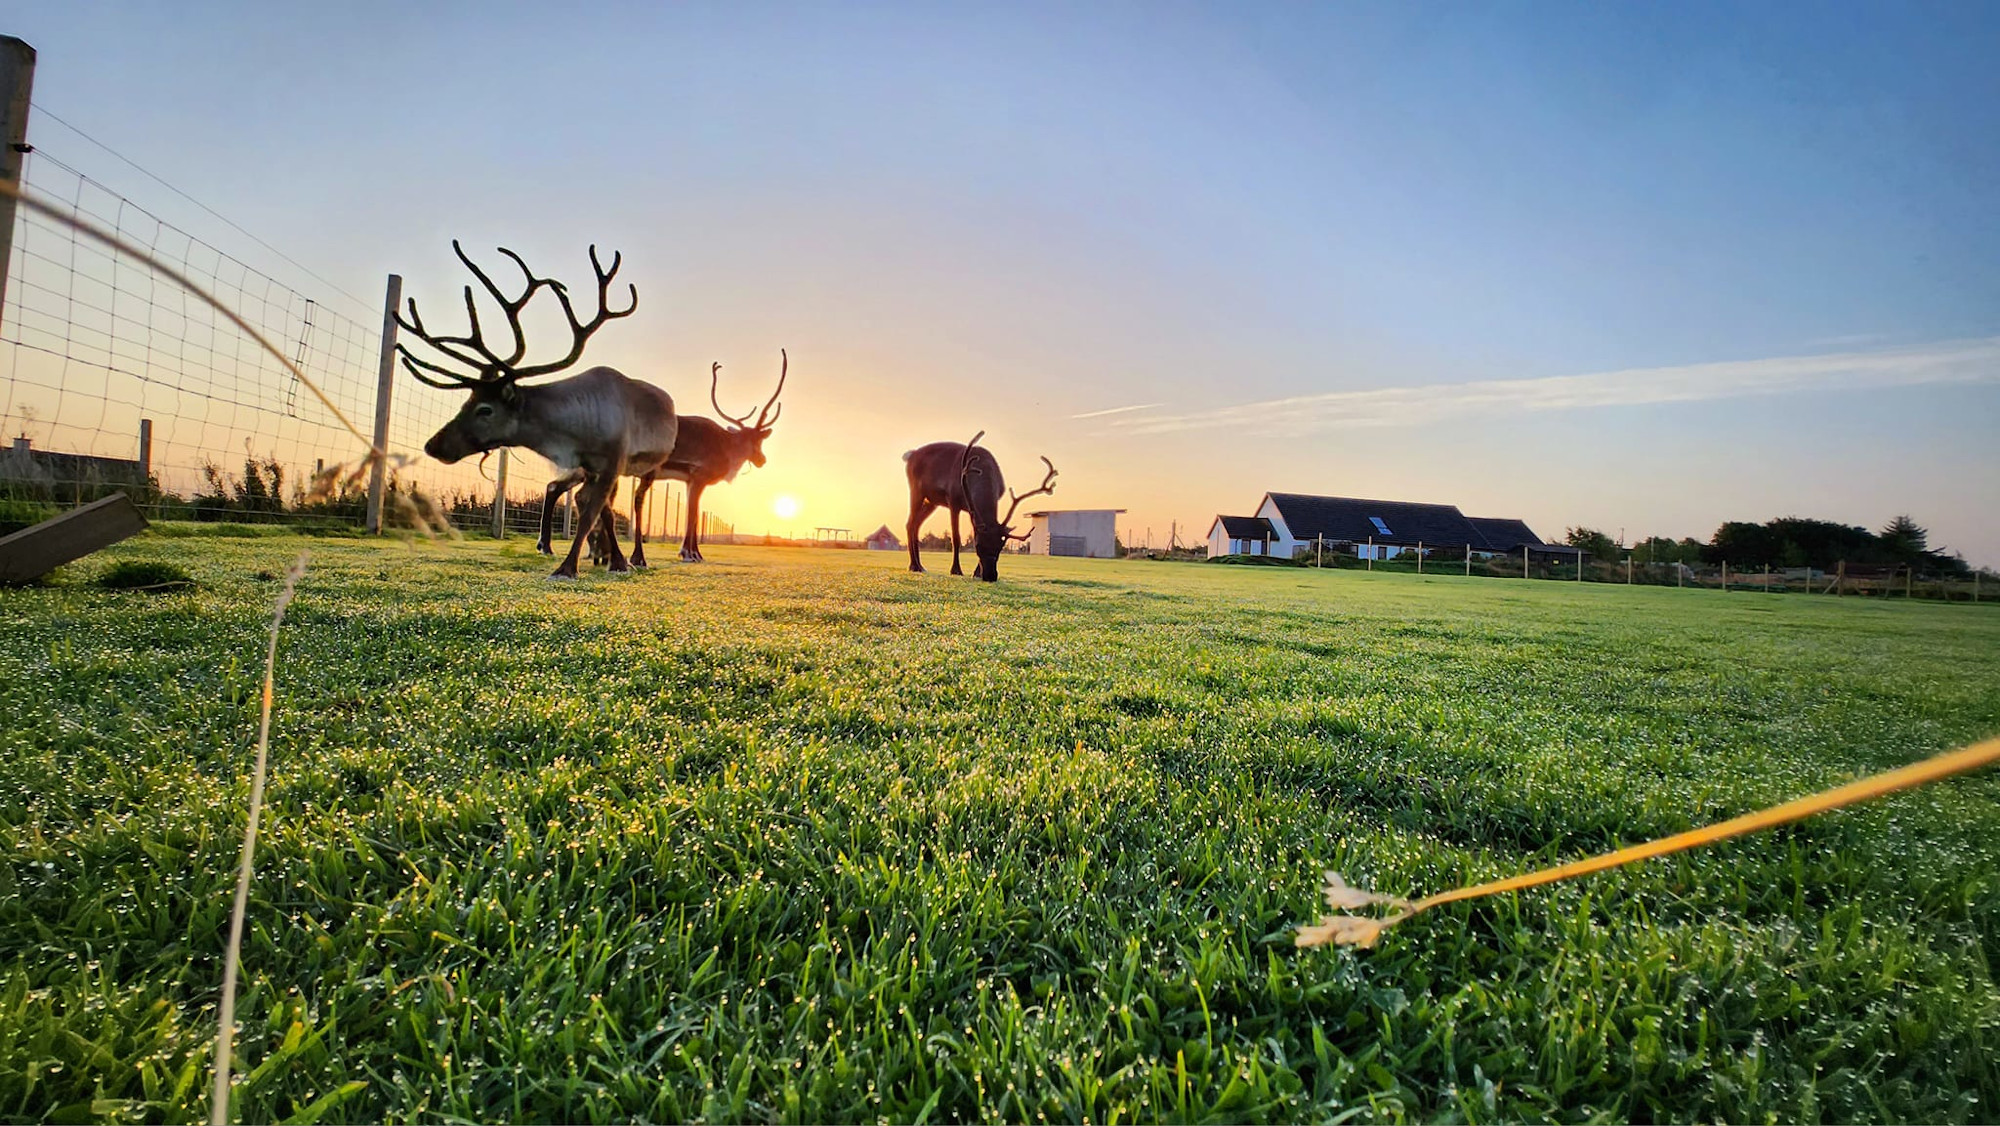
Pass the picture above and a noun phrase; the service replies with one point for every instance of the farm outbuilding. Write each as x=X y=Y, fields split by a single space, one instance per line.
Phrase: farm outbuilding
x=1090 y=533
x=1286 y=523
x=882 y=539
x=1241 y=535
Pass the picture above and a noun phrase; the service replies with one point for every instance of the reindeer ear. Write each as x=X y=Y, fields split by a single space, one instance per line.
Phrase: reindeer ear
x=510 y=394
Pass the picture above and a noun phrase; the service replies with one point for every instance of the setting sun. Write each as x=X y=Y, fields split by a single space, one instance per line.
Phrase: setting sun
x=785 y=507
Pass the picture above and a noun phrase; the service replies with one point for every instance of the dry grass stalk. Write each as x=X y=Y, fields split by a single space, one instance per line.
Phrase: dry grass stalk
x=232 y=956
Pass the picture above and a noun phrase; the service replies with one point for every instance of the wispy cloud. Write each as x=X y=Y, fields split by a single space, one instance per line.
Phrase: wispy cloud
x=1117 y=410
x=1969 y=361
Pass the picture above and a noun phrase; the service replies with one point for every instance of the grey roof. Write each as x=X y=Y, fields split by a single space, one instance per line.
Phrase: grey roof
x=1504 y=533
x=1247 y=528
x=1354 y=520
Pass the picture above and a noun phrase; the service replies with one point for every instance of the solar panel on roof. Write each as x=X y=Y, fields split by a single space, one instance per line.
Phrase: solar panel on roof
x=1380 y=526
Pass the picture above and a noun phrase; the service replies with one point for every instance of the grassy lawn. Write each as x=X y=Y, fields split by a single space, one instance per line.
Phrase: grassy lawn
x=796 y=835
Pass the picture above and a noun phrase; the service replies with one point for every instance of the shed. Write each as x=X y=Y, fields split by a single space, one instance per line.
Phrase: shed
x=882 y=539
x=1090 y=533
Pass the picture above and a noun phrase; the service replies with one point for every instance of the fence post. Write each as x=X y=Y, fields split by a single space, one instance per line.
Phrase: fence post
x=17 y=82
x=500 y=497
x=1420 y=557
x=1371 y=553
x=145 y=450
x=1468 y=561
x=1628 y=570
x=385 y=386
x=1909 y=579
x=1579 y=564
x=1725 y=576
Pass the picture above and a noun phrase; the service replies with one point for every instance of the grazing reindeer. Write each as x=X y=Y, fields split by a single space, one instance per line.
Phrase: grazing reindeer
x=965 y=477
x=706 y=453
x=597 y=422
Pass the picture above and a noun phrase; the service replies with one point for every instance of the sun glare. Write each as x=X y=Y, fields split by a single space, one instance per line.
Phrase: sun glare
x=786 y=507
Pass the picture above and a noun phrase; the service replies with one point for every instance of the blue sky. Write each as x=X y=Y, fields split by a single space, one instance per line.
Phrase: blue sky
x=1002 y=217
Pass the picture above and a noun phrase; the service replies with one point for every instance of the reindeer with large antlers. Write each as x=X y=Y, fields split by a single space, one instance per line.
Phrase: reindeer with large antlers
x=598 y=422
x=707 y=453
x=965 y=477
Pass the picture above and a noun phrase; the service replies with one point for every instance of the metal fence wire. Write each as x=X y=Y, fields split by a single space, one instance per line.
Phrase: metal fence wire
x=114 y=378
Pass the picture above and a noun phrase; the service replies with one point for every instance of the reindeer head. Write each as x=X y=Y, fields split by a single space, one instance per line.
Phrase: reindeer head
x=491 y=416
x=988 y=541
x=752 y=434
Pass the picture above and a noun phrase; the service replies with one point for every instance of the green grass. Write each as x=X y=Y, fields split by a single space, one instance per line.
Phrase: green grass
x=796 y=835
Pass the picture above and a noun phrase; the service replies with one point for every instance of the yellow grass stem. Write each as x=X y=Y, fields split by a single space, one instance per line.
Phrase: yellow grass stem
x=1364 y=930
x=232 y=956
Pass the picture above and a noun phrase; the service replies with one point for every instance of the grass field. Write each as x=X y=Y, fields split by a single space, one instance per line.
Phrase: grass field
x=796 y=835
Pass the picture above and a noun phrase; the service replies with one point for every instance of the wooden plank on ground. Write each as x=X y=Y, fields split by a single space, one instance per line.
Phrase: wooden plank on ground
x=33 y=552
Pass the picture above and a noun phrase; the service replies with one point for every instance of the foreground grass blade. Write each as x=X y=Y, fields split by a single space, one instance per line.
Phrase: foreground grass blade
x=219 y=1107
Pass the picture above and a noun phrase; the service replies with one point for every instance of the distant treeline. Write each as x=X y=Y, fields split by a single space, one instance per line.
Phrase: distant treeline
x=1789 y=541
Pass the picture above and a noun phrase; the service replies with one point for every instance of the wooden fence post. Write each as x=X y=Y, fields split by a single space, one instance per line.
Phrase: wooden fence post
x=385 y=386
x=17 y=81
x=1371 y=553
x=500 y=497
x=1468 y=561
x=1420 y=557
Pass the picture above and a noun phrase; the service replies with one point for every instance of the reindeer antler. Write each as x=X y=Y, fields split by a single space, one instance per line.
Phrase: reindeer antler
x=473 y=351
x=965 y=462
x=772 y=405
x=1048 y=486
x=714 y=379
x=766 y=417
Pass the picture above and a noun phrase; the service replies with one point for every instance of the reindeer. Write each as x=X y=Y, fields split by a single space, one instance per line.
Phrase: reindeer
x=965 y=477
x=706 y=453
x=597 y=422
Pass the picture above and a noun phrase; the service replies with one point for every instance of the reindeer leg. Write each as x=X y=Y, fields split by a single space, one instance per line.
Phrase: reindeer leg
x=691 y=543
x=593 y=499
x=619 y=565
x=919 y=512
x=954 y=541
x=639 y=520
x=555 y=492
x=606 y=532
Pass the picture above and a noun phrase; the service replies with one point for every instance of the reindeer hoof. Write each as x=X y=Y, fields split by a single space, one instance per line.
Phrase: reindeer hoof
x=562 y=577
x=545 y=549
x=620 y=567
x=915 y=569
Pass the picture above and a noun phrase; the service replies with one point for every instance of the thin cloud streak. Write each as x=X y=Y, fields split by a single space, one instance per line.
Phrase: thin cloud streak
x=1118 y=410
x=1959 y=362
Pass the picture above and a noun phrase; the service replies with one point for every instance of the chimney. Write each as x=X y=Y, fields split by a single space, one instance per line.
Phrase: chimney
x=21 y=444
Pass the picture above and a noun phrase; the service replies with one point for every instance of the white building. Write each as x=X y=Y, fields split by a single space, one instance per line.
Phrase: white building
x=1242 y=535
x=1287 y=523
x=1087 y=532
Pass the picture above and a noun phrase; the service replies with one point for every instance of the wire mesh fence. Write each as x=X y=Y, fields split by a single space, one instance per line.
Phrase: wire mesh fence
x=114 y=378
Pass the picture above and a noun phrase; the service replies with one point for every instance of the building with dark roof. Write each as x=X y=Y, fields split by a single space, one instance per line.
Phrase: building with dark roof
x=1241 y=535
x=1381 y=529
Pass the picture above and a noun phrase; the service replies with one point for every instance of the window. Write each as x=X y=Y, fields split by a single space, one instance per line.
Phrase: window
x=1380 y=526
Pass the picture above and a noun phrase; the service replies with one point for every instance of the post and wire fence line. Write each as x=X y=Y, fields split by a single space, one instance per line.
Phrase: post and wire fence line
x=114 y=378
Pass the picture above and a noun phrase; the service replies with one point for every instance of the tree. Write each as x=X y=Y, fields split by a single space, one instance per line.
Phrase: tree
x=1593 y=541
x=1905 y=540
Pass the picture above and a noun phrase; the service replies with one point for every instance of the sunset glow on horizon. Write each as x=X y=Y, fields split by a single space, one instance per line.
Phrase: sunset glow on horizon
x=1607 y=266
